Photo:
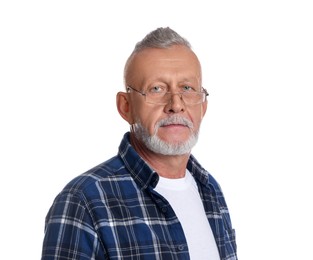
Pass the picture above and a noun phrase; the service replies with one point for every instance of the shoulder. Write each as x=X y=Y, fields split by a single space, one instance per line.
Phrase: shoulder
x=106 y=172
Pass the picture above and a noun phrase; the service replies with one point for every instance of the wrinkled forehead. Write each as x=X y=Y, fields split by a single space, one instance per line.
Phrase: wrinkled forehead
x=155 y=60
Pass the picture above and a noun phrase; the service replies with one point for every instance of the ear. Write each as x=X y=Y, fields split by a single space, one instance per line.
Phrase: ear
x=123 y=106
x=204 y=108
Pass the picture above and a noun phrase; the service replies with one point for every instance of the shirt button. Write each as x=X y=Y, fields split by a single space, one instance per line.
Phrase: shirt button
x=180 y=247
x=164 y=209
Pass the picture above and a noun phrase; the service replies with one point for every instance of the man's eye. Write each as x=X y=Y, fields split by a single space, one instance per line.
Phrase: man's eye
x=187 y=88
x=156 y=89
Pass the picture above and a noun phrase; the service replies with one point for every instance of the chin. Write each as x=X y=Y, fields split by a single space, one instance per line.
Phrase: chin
x=157 y=144
x=160 y=146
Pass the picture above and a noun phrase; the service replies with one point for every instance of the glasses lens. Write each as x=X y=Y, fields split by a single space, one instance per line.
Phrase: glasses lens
x=189 y=98
x=157 y=98
x=193 y=97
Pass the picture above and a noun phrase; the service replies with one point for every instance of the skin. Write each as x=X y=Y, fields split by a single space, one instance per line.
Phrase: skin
x=174 y=66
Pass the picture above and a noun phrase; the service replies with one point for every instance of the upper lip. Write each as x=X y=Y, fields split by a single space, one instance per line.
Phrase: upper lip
x=176 y=121
x=166 y=124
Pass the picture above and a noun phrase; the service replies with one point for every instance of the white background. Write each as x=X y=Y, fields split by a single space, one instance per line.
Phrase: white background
x=61 y=64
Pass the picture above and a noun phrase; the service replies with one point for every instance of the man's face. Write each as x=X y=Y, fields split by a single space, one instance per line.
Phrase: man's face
x=170 y=128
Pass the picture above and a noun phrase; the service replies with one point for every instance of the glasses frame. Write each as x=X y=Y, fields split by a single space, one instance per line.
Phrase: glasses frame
x=129 y=88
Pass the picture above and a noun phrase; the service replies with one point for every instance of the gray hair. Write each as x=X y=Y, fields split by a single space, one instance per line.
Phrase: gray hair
x=161 y=38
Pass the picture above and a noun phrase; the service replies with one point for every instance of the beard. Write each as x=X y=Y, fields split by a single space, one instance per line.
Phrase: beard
x=157 y=145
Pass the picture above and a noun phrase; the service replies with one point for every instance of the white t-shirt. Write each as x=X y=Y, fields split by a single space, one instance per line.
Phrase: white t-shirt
x=183 y=196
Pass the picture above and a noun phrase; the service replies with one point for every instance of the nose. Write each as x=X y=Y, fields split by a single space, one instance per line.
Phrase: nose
x=176 y=104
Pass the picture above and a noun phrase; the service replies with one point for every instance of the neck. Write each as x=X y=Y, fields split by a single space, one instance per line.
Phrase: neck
x=167 y=166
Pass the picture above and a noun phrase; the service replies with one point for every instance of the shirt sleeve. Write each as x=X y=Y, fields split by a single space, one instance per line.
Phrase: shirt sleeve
x=70 y=232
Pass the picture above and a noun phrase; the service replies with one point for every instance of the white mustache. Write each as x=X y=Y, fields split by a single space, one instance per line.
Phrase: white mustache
x=176 y=120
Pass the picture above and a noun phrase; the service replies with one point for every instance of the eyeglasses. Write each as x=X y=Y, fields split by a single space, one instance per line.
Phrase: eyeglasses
x=159 y=95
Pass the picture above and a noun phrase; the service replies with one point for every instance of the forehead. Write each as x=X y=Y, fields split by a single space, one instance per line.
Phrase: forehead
x=176 y=61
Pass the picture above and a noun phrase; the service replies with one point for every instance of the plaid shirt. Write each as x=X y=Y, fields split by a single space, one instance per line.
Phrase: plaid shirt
x=113 y=212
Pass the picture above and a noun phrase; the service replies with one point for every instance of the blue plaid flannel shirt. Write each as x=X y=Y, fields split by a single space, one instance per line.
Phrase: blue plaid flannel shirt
x=113 y=212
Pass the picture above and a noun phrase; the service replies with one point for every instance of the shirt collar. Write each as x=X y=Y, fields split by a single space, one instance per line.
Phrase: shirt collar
x=141 y=172
x=144 y=175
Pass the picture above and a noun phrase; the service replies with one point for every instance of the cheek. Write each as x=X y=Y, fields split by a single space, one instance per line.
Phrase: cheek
x=196 y=118
x=148 y=119
x=148 y=124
